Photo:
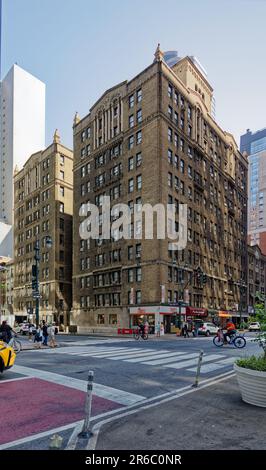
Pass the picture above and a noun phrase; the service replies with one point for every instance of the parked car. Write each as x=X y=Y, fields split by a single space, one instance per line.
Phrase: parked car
x=254 y=326
x=24 y=328
x=7 y=357
x=208 y=329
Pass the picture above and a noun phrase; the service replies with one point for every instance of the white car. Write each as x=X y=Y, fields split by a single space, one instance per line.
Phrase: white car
x=254 y=326
x=208 y=329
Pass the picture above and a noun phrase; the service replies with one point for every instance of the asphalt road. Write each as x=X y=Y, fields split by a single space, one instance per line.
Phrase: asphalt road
x=46 y=391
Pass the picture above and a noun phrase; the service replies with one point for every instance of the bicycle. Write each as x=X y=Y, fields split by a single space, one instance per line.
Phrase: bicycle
x=15 y=344
x=236 y=340
x=138 y=335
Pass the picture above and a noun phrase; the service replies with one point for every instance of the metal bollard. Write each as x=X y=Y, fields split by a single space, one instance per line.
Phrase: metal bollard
x=56 y=442
x=198 y=369
x=86 y=433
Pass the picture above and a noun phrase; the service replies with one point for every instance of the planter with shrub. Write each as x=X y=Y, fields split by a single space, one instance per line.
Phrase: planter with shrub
x=251 y=376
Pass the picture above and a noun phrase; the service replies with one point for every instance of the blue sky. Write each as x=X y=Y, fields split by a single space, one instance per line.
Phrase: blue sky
x=79 y=48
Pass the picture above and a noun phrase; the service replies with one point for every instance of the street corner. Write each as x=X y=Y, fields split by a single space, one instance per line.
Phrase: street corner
x=34 y=406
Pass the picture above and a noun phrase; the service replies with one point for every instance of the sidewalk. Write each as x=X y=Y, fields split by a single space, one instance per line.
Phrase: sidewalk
x=214 y=418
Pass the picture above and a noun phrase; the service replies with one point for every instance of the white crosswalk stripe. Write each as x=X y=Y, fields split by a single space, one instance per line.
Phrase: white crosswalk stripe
x=215 y=366
x=176 y=357
x=192 y=362
x=168 y=359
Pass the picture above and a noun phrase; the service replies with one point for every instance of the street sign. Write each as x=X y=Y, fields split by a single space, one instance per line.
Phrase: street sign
x=36 y=295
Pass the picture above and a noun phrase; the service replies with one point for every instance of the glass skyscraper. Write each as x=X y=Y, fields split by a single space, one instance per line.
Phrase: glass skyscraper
x=255 y=146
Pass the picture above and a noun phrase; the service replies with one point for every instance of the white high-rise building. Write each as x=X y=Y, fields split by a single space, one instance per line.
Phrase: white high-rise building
x=22 y=133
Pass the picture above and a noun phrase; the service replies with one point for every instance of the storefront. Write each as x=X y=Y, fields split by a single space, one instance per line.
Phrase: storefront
x=170 y=318
x=192 y=313
x=236 y=317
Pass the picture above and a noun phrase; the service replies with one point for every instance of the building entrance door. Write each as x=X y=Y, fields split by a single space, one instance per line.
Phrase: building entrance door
x=167 y=323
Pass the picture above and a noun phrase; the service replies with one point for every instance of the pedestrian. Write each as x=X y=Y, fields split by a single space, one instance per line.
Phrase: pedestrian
x=44 y=333
x=146 y=327
x=186 y=334
x=51 y=332
x=38 y=338
x=158 y=329
x=30 y=332
x=162 y=329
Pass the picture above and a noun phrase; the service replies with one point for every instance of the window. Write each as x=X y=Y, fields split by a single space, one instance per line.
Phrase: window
x=138 y=250
x=139 y=95
x=130 y=275
x=170 y=135
x=83 y=136
x=131 y=121
x=130 y=253
x=139 y=182
x=62 y=175
x=170 y=112
x=189 y=170
x=131 y=101
x=131 y=142
x=62 y=160
x=182 y=166
x=139 y=116
x=113 y=319
x=100 y=319
x=88 y=150
x=189 y=112
x=138 y=297
x=138 y=275
x=83 y=171
x=131 y=185
x=61 y=256
x=170 y=90
x=62 y=224
x=170 y=156
x=138 y=159
x=88 y=133
x=61 y=273
x=130 y=164
x=170 y=180
x=190 y=131
x=176 y=98
x=62 y=191
x=176 y=119
x=83 y=152
x=182 y=145
x=139 y=137
x=176 y=140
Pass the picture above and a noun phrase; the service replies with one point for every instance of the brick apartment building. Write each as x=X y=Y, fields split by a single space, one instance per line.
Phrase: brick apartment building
x=43 y=208
x=153 y=140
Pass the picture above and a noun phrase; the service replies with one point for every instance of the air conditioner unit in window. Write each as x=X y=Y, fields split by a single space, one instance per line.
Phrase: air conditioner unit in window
x=138 y=256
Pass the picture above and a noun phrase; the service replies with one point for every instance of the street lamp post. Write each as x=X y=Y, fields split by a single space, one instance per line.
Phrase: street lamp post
x=35 y=281
x=35 y=277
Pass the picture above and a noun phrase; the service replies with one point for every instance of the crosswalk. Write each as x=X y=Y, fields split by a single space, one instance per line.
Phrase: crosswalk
x=164 y=358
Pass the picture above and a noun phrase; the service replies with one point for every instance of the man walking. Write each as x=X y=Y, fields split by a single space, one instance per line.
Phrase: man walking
x=44 y=333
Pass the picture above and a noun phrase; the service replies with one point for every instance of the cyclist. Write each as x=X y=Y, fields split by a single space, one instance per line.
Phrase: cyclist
x=141 y=329
x=6 y=332
x=230 y=330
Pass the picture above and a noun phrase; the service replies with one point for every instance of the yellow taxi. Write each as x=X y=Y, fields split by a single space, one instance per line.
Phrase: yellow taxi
x=7 y=356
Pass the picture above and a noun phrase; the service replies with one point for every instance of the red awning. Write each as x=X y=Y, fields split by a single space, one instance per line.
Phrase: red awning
x=196 y=312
